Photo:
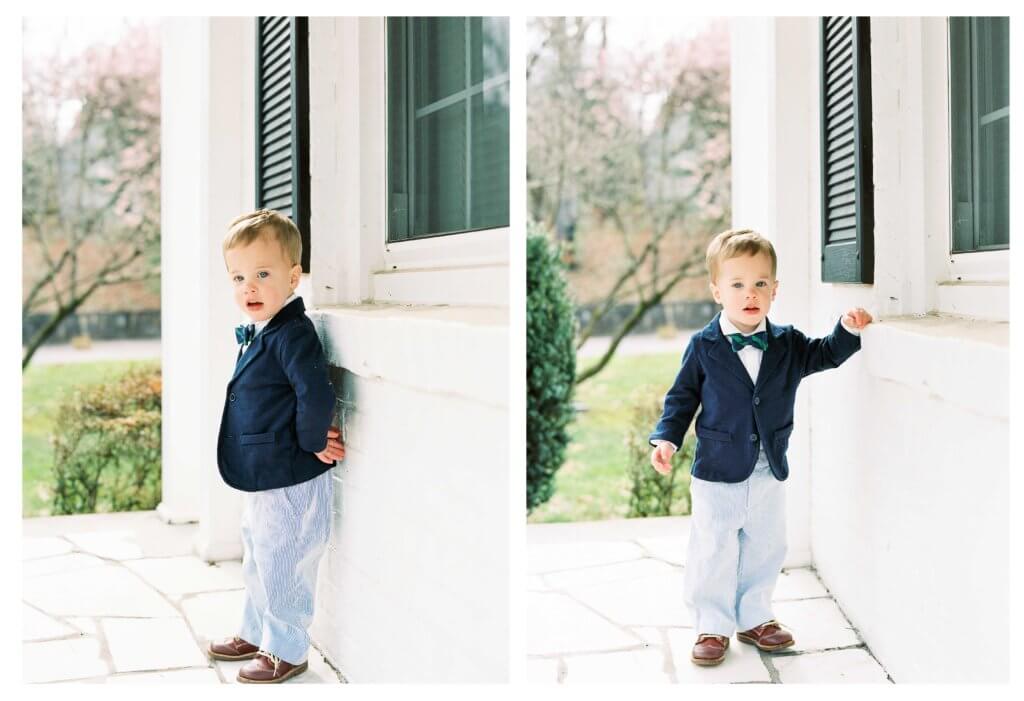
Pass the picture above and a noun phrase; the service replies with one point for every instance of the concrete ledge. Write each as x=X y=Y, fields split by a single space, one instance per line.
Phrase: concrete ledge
x=977 y=300
x=455 y=351
x=965 y=362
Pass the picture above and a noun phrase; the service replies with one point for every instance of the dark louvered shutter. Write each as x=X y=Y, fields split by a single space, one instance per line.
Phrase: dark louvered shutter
x=282 y=120
x=847 y=201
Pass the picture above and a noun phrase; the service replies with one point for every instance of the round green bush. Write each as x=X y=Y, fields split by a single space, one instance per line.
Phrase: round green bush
x=107 y=452
x=550 y=366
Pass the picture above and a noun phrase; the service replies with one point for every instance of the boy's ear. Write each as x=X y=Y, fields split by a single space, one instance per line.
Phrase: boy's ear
x=714 y=292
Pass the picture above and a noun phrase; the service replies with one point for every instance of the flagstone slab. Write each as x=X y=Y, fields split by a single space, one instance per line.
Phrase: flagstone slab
x=207 y=675
x=216 y=615
x=800 y=583
x=151 y=535
x=816 y=624
x=655 y=600
x=557 y=624
x=151 y=644
x=184 y=575
x=63 y=564
x=38 y=626
x=97 y=591
x=86 y=625
x=671 y=549
x=833 y=667
x=536 y=583
x=627 y=667
x=76 y=658
x=566 y=556
x=649 y=634
x=33 y=548
x=605 y=574
x=742 y=662
x=542 y=671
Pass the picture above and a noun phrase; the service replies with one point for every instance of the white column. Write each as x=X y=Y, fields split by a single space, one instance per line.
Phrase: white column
x=207 y=180
x=179 y=297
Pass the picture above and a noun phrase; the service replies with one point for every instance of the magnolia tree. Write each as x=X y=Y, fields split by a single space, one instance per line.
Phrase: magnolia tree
x=635 y=139
x=90 y=175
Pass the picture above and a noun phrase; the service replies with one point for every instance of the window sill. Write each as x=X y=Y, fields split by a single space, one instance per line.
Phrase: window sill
x=985 y=300
x=965 y=362
x=421 y=347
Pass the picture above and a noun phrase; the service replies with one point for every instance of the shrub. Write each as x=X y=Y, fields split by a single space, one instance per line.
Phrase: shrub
x=550 y=366
x=652 y=493
x=107 y=446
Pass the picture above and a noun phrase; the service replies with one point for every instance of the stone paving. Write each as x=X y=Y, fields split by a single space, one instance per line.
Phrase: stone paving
x=605 y=604
x=120 y=598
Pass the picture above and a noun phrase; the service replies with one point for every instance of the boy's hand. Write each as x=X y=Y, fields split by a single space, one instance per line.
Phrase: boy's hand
x=661 y=458
x=857 y=318
x=335 y=449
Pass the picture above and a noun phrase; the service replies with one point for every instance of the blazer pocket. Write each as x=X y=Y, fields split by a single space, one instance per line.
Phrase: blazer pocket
x=714 y=435
x=249 y=438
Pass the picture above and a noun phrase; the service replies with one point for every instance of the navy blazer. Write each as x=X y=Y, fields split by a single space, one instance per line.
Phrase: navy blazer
x=736 y=414
x=278 y=407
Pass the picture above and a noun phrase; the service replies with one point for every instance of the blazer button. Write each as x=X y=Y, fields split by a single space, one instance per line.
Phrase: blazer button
x=757 y=400
x=231 y=396
x=753 y=437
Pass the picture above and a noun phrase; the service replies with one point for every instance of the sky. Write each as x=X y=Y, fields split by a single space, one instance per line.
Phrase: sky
x=70 y=35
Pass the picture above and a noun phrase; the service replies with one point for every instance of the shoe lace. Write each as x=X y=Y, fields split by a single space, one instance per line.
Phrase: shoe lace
x=272 y=657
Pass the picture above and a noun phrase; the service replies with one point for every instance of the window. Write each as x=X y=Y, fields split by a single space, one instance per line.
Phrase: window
x=282 y=120
x=979 y=51
x=448 y=121
x=847 y=196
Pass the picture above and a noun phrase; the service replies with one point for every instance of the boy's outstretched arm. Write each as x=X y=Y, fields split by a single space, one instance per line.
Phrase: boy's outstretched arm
x=817 y=354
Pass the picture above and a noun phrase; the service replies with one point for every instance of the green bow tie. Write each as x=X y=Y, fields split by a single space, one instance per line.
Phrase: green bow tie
x=758 y=340
x=244 y=334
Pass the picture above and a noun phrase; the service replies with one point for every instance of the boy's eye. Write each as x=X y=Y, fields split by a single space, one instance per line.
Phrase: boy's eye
x=263 y=273
x=762 y=283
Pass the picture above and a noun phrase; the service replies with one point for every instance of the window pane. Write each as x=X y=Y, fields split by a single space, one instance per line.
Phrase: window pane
x=489 y=47
x=489 y=195
x=993 y=207
x=440 y=57
x=447 y=125
x=993 y=50
x=440 y=176
x=961 y=167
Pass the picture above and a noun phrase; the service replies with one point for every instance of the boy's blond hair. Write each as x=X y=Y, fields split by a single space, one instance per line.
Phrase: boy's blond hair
x=734 y=243
x=246 y=228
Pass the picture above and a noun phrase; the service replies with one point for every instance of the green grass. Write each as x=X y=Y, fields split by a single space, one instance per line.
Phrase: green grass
x=592 y=484
x=43 y=389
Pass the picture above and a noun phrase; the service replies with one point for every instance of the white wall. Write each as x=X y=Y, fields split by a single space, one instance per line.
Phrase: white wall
x=907 y=440
x=415 y=585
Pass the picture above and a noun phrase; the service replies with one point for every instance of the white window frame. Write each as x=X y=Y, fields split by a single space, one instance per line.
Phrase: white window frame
x=973 y=284
x=460 y=255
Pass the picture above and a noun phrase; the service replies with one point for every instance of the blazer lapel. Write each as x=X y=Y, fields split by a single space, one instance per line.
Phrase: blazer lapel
x=772 y=355
x=250 y=353
x=722 y=352
x=290 y=311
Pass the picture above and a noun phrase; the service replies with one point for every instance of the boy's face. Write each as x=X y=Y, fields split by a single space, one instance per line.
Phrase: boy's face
x=261 y=277
x=745 y=288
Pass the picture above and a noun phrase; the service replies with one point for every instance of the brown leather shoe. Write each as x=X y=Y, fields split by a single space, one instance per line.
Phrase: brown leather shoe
x=768 y=636
x=266 y=668
x=709 y=650
x=232 y=649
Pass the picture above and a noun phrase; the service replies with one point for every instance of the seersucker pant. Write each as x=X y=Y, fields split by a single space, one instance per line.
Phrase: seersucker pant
x=736 y=549
x=284 y=534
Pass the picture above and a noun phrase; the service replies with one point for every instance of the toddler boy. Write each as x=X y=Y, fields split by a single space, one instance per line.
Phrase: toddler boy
x=742 y=371
x=276 y=444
